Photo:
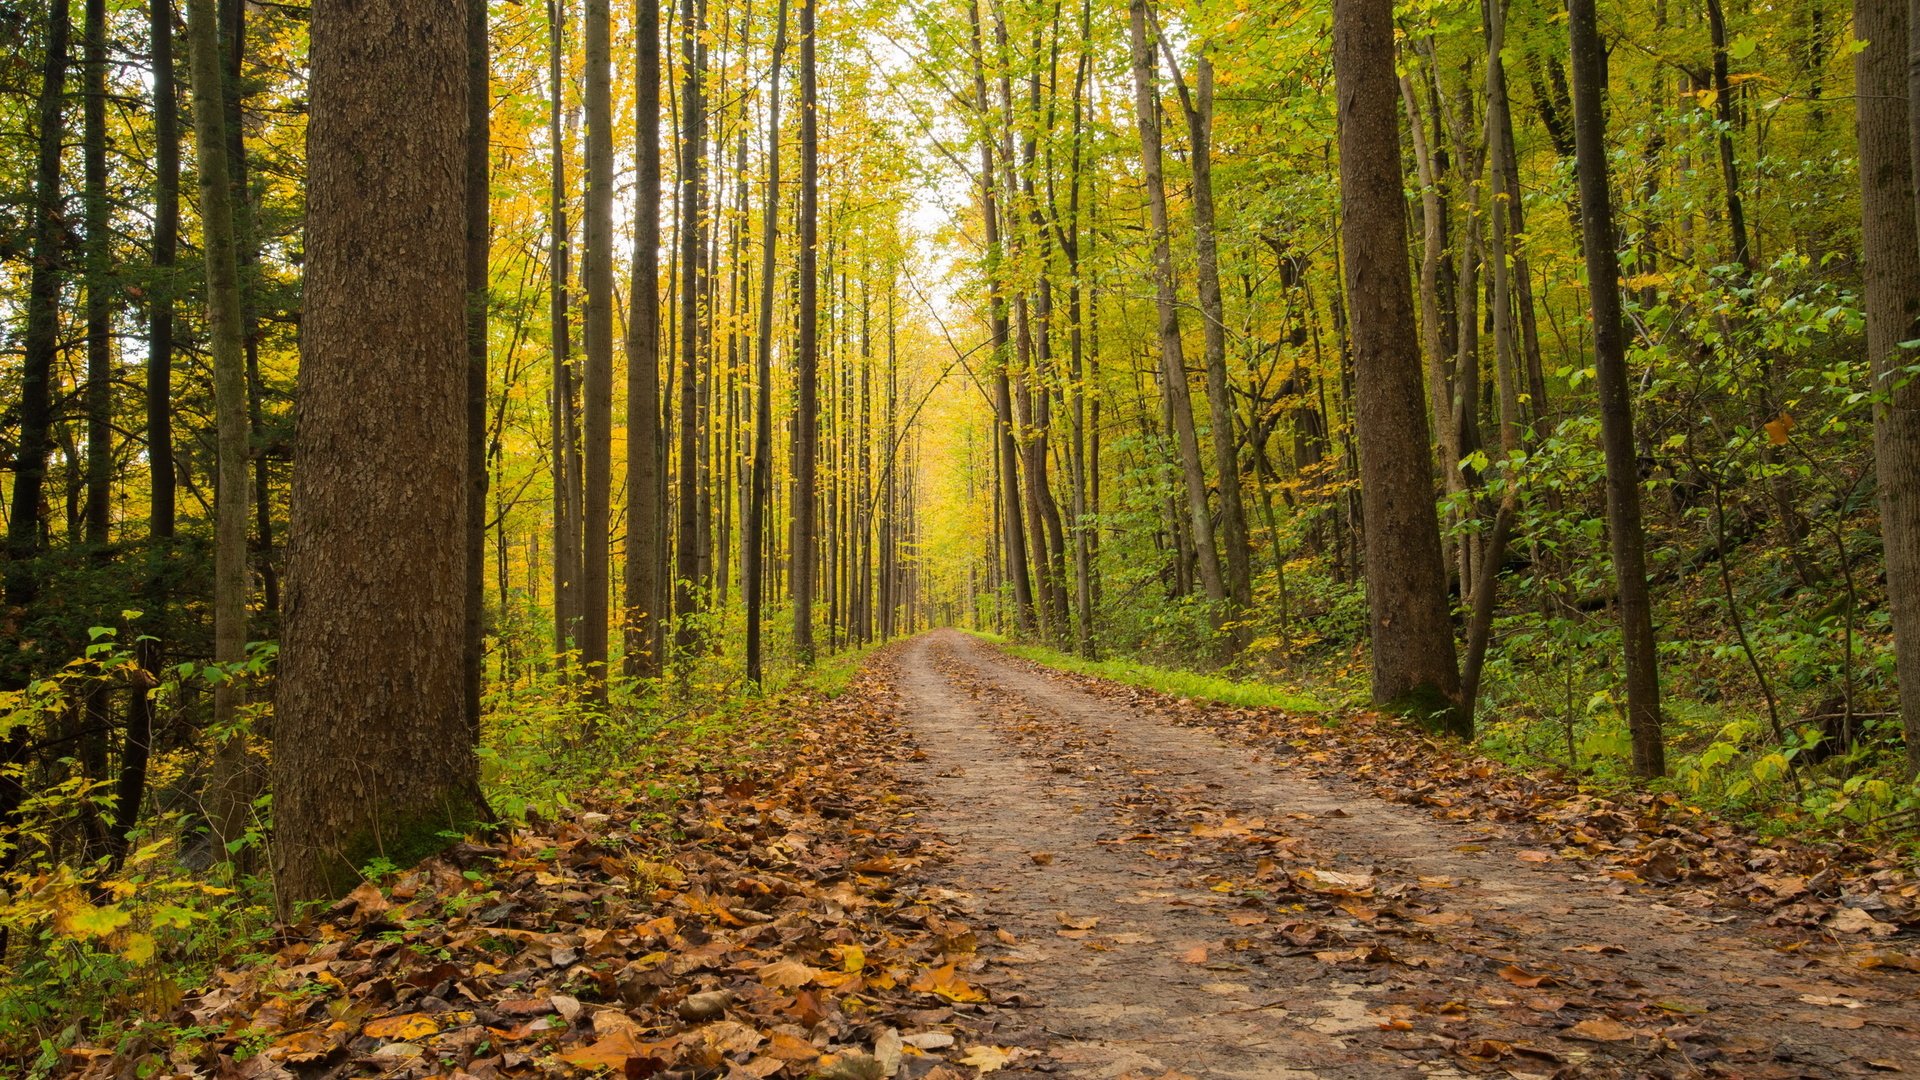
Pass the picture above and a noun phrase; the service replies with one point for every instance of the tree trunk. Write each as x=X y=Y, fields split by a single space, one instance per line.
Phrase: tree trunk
x=371 y=756
x=645 y=458
x=137 y=749
x=232 y=786
x=806 y=420
x=1006 y=445
x=1616 y=407
x=597 y=389
x=99 y=269
x=1173 y=365
x=692 y=233
x=567 y=550
x=1889 y=160
x=1198 y=107
x=1414 y=666
x=752 y=528
x=479 y=98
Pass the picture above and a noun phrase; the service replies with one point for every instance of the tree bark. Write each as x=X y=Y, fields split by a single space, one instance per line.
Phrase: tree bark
x=597 y=385
x=1414 y=665
x=232 y=786
x=1616 y=407
x=479 y=235
x=753 y=528
x=1173 y=364
x=807 y=363
x=646 y=533
x=692 y=233
x=99 y=270
x=1890 y=241
x=371 y=755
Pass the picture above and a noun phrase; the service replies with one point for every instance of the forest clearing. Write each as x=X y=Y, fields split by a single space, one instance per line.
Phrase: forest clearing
x=933 y=538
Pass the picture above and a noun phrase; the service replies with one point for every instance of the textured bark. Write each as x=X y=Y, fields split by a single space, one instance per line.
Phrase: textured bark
x=1173 y=364
x=753 y=523
x=1013 y=540
x=567 y=548
x=646 y=533
x=99 y=273
x=25 y=524
x=596 y=405
x=1610 y=380
x=1889 y=139
x=1198 y=107
x=233 y=781
x=479 y=234
x=693 y=275
x=371 y=756
x=1414 y=666
x=807 y=363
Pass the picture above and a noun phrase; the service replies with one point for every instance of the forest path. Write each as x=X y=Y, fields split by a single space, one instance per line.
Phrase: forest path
x=1170 y=903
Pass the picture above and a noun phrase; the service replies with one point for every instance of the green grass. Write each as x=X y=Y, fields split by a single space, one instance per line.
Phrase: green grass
x=1186 y=684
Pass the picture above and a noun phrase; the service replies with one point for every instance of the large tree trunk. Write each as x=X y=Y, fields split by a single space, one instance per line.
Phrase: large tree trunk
x=371 y=755
x=597 y=388
x=1610 y=380
x=807 y=363
x=479 y=144
x=1889 y=138
x=1173 y=364
x=1414 y=666
x=230 y=792
x=645 y=458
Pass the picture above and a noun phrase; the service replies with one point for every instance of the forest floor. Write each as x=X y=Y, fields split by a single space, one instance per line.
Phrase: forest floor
x=967 y=864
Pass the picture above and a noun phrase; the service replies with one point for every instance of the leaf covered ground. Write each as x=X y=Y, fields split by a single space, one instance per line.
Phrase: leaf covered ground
x=968 y=864
x=769 y=924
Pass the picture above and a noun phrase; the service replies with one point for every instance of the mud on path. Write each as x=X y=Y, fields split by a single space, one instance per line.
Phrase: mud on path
x=1155 y=900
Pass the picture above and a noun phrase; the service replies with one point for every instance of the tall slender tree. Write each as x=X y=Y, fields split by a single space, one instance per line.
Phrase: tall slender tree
x=1173 y=364
x=1414 y=665
x=807 y=362
x=645 y=456
x=753 y=541
x=597 y=385
x=1616 y=405
x=232 y=784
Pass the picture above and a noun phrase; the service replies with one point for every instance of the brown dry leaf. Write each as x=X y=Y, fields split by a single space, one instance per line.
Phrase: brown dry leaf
x=788 y=974
x=1078 y=922
x=1600 y=1029
x=1518 y=976
x=1535 y=856
x=1195 y=955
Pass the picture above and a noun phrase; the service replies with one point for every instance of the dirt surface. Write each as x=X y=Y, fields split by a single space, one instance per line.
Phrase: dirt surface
x=1159 y=899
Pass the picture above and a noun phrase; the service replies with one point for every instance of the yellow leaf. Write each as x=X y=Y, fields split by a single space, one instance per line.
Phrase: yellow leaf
x=1778 y=428
x=139 y=948
x=406 y=1027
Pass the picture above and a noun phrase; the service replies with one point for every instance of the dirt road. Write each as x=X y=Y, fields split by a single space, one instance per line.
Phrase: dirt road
x=1157 y=900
